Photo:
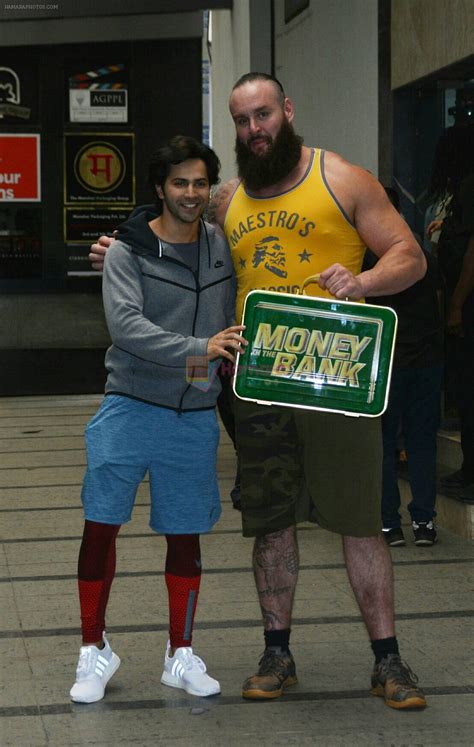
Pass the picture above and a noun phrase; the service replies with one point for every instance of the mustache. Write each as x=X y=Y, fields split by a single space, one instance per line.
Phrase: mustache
x=252 y=139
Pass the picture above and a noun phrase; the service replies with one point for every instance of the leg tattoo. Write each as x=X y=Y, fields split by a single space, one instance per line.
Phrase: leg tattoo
x=275 y=564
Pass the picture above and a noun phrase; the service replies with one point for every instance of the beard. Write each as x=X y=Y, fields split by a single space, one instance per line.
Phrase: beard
x=270 y=168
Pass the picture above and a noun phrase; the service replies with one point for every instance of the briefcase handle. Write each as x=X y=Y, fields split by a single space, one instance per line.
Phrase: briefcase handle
x=310 y=280
x=313 y=279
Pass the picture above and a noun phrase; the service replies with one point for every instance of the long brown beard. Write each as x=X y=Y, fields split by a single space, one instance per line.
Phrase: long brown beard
x=270 y=168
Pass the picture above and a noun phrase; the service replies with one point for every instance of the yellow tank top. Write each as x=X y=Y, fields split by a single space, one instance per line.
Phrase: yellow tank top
x=277 y=242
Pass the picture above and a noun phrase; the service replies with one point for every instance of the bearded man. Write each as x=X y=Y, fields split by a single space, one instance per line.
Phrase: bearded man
x=297 y=211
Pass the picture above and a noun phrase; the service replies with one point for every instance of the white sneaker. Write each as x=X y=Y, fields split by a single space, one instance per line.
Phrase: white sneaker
x=94 y=669
x=188 y=672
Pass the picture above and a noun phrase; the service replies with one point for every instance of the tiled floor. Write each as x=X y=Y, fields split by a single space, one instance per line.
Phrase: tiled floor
x=42 y=462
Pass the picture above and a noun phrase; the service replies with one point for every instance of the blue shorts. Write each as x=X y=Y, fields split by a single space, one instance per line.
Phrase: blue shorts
x=126 y=439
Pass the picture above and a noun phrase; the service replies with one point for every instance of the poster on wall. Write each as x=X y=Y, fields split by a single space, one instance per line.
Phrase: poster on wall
x=20 y=175
x=99 y=168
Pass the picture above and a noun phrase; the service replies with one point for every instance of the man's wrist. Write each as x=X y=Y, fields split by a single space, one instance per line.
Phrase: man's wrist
x=364 y=283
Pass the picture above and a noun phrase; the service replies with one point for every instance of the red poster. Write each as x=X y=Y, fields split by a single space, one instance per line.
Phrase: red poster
x=20 y=168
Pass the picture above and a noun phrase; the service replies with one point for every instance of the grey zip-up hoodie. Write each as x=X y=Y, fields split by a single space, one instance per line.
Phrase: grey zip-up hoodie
x=161 y=314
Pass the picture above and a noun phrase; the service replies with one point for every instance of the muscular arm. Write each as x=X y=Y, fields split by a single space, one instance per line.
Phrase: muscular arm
x=401 y=260
x=381 y=228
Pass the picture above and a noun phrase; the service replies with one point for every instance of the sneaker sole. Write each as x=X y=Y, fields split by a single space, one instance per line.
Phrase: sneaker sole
x=400 y=705
x=269 y=694
x=397 y=543
x=424 y=543
x=115 y=665
x=170 y=681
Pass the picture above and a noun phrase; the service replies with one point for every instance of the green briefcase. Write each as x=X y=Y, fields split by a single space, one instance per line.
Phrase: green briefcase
x=316 y=354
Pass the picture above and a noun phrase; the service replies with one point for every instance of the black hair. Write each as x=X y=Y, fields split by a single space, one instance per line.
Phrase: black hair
x=453 y=160
x=250 y=77
x=177 y=150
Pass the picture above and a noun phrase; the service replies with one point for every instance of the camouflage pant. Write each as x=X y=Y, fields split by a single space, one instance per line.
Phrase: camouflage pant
x=300 y=465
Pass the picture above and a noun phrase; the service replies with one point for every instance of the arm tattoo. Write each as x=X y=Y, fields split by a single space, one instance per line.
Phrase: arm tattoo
x=219 y=196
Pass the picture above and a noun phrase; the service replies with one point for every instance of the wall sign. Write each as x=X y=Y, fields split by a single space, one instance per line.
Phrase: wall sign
x=84 y=225
x=99 y=168
x=97 y=106
x=20 y=168
x=97 y=95
x=10 y=95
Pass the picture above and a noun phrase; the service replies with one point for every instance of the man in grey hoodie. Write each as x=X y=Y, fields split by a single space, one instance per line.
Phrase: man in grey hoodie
x=169 y=296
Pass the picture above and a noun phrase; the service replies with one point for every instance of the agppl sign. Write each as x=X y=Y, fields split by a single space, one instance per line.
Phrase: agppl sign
x=20 y=176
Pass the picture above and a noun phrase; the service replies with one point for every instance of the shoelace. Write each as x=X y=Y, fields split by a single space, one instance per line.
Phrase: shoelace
x=190 y=660
x=400 y=672
x=268 y=661
x=84 y=661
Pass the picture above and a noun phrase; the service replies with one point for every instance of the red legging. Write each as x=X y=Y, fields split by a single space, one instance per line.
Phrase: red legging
x=96 y=570
x=183 y=578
